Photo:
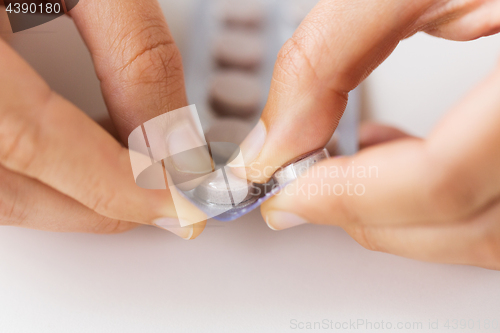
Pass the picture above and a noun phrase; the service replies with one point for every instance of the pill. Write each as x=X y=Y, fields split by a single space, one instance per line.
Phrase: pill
x=242 y=13
x=229 y=130
x=215 y=190
x=235 y=93
x=239 y=48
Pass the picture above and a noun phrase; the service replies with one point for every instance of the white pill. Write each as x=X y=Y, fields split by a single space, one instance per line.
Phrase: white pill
x=239 y=48
x=235 y=93
x=242 y=13
x=215 y=190
x=229 y=130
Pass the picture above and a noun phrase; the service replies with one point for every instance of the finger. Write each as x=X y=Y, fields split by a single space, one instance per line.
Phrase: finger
x=473 y=242
x=371 y=134
x=337 y=46
x=450 y=176
x=47 y=138
x=473 y=19
x=109 y=126
x=27 y=203
x=135 y=58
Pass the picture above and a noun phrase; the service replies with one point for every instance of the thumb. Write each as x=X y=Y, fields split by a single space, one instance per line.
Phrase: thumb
x=338 y=44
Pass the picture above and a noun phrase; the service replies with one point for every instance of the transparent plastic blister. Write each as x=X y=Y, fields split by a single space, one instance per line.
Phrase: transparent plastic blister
x=229 y=83
x=260 y=193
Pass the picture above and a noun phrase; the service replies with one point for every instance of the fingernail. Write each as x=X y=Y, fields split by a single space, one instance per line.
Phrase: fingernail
x=188 y=151
x=174 y=226
x=277 y=220
x=251 y=146
x=189 y=162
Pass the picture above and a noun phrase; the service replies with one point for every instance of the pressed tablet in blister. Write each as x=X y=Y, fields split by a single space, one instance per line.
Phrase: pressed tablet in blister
x=239 y=48
x=235 y=93
x=230 y=130
x=224 y=189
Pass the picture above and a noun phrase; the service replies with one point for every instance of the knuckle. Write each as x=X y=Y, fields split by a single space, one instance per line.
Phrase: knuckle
x=489 y=249
x=293 y=58
x=347 y=210
x=452 y=195
x=111 y=226
x=344 y=205
x=102 y=197
x=364 y=237
x=148 y=55
x=18 y=139
x=303 y=58
x=6 y=210
x=12 y=209
x=102 y=200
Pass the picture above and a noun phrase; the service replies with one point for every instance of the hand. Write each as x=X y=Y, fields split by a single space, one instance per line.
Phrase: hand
x=59 y=170
x=433 y=199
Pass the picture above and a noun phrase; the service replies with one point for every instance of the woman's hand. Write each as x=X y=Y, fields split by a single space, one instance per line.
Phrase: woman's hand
x=59 y=170
x=436 y=199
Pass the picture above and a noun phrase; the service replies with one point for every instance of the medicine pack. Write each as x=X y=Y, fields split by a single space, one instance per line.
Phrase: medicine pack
x=229 y=65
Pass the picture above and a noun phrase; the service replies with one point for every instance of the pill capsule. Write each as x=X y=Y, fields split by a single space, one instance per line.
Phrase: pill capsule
x=239 y=49
x=229 y=130
x=235 y=93
x=216 y=190
x=242 y=13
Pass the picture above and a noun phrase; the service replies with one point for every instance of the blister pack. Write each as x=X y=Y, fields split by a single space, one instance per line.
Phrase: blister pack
x=229 y=66
x=233 y=46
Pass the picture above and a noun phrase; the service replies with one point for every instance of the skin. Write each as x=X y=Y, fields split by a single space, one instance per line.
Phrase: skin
x=61 y=171
x=435 y=199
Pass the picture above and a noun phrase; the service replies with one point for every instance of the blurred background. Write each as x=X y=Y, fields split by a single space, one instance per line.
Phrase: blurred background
x=241 y=276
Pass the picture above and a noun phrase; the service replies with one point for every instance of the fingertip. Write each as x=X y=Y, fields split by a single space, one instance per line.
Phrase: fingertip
x=178 y=228
x=250 y=149
x=282 y=220
x=197 y=228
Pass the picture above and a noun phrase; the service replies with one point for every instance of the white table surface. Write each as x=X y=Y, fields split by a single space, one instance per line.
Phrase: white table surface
x=241 y=276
